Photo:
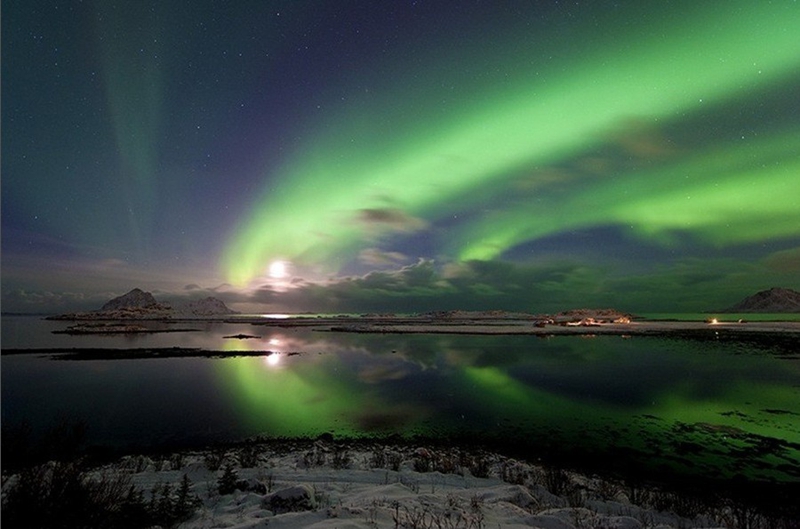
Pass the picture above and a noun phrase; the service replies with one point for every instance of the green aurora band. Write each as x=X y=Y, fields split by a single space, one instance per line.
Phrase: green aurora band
x=727 y=196
x=432 y=167
x=136 y=104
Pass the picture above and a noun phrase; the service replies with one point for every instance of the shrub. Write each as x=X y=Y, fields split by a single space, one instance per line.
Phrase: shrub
x=177 y=461
x=341 y=458
x=248 y=457
x=314 y=458
x=63 y=495
x=21 y=449
x=213 y=459
x=395 y=460
x=187 y=502
x=557 y=481
x=480 y=466
x=169 y=507
x=378 y=458
x=226 y=483
x=422 y=464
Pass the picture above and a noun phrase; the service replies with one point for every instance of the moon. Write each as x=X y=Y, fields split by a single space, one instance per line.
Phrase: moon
x=277 y=270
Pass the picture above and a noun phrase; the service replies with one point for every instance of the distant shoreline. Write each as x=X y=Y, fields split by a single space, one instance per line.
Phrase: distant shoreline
x=443 y=317
x=784 y=335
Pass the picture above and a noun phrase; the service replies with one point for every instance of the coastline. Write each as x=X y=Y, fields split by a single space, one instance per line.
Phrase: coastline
x=584 y=324
x=456 y=322
x=346 y=480
x=362 y=483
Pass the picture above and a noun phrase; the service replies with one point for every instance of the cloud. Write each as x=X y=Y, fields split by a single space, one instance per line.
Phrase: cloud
x=378 y=373
x=641 y=138
x=377 y=257
x=786 y=261
x=393 y=219
x=424 y=286
x=50 y=302
x=542 y=287
x=547 y=285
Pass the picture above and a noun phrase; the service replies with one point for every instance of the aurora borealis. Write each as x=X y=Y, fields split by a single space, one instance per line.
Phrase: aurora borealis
x=401 y=155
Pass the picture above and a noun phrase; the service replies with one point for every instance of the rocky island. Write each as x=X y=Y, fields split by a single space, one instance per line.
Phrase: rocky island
x=131 y=312
x=140 y=305
x=773 y=300
x=117 y=316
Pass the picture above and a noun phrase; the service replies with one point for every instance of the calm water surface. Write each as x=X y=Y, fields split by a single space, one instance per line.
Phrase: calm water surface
x=716 y=408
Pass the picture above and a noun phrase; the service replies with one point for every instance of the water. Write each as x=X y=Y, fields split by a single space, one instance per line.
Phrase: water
x=36 y=332
x=721 y=316
x=720 y=408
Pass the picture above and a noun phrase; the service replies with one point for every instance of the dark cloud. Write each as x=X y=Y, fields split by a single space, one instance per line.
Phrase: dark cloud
x=374 y=374
x=641 y=138
x=538 y=288
x=393 y=219
x=542 y=287
x=380 y=258
x=786 y=261
x=423 y=286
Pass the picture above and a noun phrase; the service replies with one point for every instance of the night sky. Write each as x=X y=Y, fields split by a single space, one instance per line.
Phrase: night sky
x=400 y=155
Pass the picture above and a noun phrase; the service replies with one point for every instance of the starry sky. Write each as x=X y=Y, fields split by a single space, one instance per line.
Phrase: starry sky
x=400 y=155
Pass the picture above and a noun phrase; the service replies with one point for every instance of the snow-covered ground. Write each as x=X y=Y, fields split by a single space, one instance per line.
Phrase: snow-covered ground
x=326 y=485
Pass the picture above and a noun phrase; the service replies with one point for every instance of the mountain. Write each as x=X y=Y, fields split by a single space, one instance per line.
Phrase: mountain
x=139 y=301
x=205 y=307
x=135 y=299
x=140 y=305
x=772 y=300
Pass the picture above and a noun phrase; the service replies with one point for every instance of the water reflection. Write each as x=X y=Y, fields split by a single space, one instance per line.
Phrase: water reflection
x=644 y=396
x=273 y=360
x=718 y=407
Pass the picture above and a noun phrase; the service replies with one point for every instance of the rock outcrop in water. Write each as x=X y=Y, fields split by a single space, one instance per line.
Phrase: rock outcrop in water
x=772 y=300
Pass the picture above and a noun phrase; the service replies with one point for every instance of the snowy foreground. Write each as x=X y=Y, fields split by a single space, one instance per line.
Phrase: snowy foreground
x=322 y=484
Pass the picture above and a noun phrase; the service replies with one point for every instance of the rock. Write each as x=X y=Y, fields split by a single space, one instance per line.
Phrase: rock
x=622 y=522
x=140 y=305
x=103 y=328
x=205 y=307
x=292 y=499
x=135 y=299
x=251 y=485
x=772 y=300
x=325 y=437
x=592 y=315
